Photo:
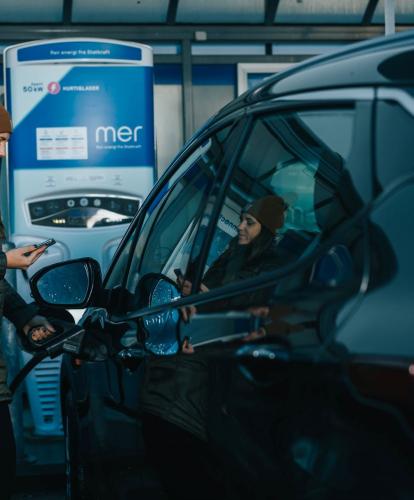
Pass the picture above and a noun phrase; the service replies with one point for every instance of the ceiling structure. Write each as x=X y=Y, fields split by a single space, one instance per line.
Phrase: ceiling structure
x=212 y=20
x=191 y=32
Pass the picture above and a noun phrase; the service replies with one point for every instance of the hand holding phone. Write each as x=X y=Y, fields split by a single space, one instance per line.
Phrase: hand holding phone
x=46 y=243
x=24 y=257
x=179 y=274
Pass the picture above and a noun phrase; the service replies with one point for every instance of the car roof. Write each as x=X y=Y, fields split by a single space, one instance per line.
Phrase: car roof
x=387 y=60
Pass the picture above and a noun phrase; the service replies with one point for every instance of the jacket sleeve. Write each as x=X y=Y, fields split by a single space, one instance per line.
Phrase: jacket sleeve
x=16 y=309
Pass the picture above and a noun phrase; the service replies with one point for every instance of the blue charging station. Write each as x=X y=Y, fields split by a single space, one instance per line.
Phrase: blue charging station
x=81 y=157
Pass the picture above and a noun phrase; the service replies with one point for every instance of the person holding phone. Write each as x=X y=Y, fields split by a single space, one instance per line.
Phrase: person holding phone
x=25 y=317
x=175 y=395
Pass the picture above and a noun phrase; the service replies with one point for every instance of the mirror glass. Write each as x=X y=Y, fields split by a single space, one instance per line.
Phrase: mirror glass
x=66 y=284
x=162 y=327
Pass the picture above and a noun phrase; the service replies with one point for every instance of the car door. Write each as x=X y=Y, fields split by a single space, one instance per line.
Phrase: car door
x=378 y=336
x=317 y=157
x=104 y=394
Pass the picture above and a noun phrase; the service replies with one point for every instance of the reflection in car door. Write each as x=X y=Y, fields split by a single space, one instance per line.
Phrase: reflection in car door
x=306 y=156
x=105 y=394
x=291 y=412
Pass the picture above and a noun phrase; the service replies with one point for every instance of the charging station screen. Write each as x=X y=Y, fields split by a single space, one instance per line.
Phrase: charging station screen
x=81 y=116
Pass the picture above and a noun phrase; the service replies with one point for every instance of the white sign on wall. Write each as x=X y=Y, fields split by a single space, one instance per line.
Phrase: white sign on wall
x=61 y=143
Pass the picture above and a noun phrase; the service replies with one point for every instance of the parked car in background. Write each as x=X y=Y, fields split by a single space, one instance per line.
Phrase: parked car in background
x=318 y=402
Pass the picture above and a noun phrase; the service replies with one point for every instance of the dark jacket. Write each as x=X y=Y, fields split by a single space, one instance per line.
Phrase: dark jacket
x=176 y=387
x=243 y=262
x=15 y=310
x=240 y=262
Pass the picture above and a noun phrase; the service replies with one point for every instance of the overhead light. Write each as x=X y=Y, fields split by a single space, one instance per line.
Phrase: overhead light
x=200 y=36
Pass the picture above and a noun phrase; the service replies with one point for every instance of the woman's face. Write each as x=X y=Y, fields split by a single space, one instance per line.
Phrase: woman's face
x=249 y=228
x=4 y=137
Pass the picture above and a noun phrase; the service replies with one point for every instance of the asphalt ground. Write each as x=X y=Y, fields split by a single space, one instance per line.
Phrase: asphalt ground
x=40 y=487
x=41 y=475
x=41 y=472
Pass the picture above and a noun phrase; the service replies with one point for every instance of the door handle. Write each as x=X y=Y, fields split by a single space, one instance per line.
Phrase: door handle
x=263 y=364
x=267 y=352
x=132 y=357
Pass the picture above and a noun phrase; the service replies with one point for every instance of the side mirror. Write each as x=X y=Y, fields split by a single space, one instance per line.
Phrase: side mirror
x=72 y=284
x=160 y=329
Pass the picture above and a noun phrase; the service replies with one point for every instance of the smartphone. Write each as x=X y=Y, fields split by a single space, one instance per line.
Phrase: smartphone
x=46 y=243
x=179 y=273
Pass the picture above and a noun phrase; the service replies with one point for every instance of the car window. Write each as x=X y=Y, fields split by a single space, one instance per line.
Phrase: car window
x=117 y=272
x=163 y=242
x=383 y=324
x=395 y=149
x=201 y=154
x=292 y=179
x=295 y=175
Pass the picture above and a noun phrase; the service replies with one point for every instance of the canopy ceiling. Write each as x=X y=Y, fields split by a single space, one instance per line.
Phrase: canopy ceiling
x=83 y=17
x=268 y=12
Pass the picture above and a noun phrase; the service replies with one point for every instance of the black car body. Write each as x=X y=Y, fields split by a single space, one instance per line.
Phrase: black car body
x=322 y=405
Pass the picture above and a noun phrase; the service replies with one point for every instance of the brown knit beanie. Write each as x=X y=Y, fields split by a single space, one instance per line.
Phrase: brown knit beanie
x=269 y=211
x=5 y=121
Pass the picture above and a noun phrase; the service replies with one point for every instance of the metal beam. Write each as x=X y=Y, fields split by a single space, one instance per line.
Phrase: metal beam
x=250 y=59
x=67 y=11
x=369 y=12
x=187 y=89
x=218 y=59
x=270 y=11
x=216 y=33
x=389 y=15
x=172 y=11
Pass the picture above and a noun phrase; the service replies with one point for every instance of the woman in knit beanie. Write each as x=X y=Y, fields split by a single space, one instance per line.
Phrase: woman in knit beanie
x=174 y=404
x=253 y=250
x=23 y=316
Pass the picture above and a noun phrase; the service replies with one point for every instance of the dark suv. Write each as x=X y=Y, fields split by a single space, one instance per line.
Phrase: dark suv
x=291 y=365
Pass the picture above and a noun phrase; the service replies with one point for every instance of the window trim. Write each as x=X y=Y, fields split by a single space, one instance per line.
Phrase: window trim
x=254 y=114
x=269 y=277
x=405 y=100
x=327 y=98
x=265 y=279
x=209 y=235
x=138 y=220
x=137 y=224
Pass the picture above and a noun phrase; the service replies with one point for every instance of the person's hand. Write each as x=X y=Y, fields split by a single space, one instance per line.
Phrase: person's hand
x=187 y=312
x=186 y=287
x=260 y=312
x=39 y=328
x=187 y=348
x=256 y=335
x=16 y=258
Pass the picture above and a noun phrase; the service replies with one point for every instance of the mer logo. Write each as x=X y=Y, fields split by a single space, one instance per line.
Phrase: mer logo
x=122 y=134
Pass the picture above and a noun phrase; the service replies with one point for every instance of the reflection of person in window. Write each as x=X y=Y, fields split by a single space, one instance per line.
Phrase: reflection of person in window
x=174 y=395
x=253 y=250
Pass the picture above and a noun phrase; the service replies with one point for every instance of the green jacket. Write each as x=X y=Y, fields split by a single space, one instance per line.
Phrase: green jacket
x=16 y=310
